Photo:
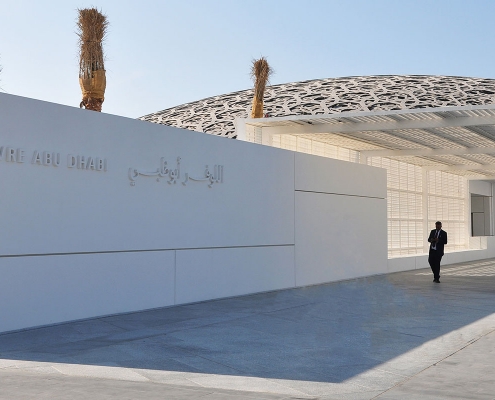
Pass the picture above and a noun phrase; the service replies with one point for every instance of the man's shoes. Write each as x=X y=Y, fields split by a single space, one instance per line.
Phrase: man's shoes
x=436 y=280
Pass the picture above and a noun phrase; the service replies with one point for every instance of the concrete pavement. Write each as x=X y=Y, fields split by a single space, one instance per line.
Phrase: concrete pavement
x=396 y=336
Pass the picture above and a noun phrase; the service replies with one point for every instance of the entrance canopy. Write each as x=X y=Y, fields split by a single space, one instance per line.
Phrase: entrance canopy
x=460 y=140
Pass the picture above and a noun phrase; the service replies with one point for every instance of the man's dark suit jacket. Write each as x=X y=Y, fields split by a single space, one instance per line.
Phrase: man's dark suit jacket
x=442 y=240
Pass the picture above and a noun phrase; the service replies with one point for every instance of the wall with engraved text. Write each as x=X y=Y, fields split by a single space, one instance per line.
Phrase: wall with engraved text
x=103 y=214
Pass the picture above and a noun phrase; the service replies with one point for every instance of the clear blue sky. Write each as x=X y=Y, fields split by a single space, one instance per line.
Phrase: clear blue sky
x=165 y=53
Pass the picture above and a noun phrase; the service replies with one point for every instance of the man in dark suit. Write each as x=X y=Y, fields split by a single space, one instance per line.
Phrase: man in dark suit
x=437 y=239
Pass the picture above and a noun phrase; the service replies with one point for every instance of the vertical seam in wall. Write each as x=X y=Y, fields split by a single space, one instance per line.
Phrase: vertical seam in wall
x=175 y=277
x=295 y=247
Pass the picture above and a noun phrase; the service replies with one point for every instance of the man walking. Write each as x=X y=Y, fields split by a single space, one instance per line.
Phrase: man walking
x=437 y=239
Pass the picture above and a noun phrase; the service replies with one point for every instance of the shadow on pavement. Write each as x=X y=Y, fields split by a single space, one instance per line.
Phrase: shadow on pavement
x=324 y=333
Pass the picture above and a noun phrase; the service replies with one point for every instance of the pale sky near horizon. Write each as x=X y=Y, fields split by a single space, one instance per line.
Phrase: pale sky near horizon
x=165 y=53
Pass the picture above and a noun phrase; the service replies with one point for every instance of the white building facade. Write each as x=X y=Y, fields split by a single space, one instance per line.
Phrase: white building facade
x=424 y=184
x=103 y=214
x=435 y=136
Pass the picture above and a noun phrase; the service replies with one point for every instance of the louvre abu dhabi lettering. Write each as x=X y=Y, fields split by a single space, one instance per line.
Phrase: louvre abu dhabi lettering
x=86 y=162
x=96 y=163
x=173 y=175
x=54 y=159
x=12 y=154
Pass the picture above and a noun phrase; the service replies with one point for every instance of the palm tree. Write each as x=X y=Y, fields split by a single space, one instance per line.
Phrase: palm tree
x=92 y=26
x=260 y=72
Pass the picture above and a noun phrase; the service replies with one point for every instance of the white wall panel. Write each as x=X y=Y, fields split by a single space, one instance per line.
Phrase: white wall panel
x=483 y=188
x=401 y=264
x=47 y=209
x=213 y=273
x=42 y=290
x=339 y=237
x=490 y=250
x=488 y=215
x=326 y=175
x=422 y=261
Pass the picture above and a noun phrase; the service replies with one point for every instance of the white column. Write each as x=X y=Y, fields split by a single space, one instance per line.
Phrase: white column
x=363 y=159
x=266 y=138
x=240 y=128
x=426 y=229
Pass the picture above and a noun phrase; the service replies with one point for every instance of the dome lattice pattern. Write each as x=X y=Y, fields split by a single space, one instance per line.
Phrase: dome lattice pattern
x=215 y=115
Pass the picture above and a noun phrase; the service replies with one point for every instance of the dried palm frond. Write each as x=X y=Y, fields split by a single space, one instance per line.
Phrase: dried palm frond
x=260 y=72
x=92 y=26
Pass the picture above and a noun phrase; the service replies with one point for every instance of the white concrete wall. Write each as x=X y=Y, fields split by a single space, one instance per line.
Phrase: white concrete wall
x=341 y=220
x=78 y=243
x=480 y=187
x=421 y=261
x=68 y=210
x=40 y=290
x=204 y=274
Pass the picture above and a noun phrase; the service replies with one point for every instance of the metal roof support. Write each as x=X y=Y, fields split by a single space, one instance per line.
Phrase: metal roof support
x=355 y=127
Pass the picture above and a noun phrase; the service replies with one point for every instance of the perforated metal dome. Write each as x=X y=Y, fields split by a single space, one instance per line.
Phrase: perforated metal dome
x=215 y=115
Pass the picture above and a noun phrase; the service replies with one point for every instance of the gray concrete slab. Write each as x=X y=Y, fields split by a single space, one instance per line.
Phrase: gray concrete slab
x=466 y=374
x=391 y=336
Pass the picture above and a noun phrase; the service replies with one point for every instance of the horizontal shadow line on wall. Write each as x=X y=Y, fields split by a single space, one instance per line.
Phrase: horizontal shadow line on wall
x=340 y=194
x=143 y=251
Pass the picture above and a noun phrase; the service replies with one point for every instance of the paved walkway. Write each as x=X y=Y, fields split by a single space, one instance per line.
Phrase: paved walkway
x=397 y=336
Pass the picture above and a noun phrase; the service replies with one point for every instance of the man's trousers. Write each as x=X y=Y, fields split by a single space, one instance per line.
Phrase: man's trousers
x=434 y=259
